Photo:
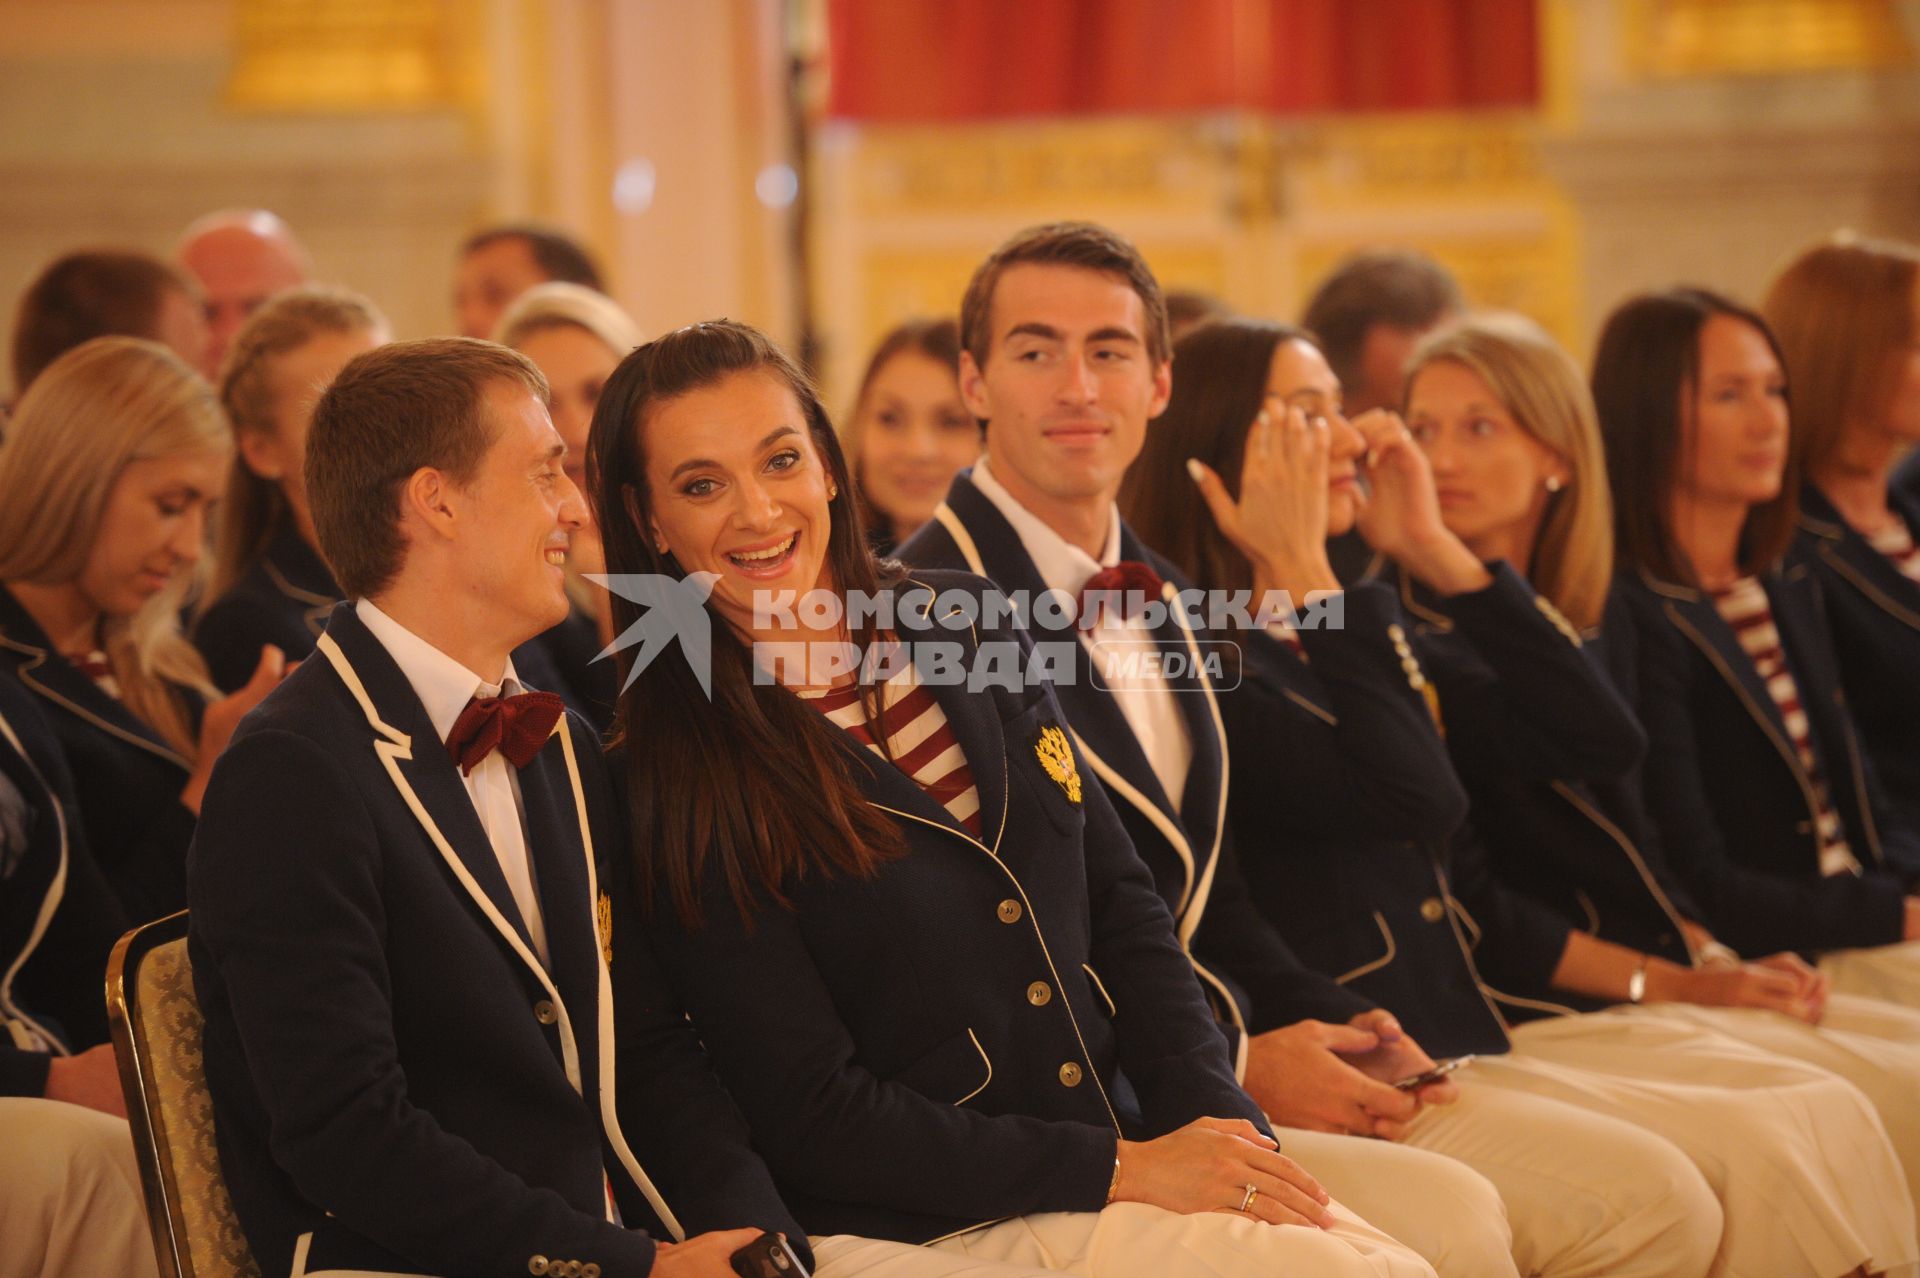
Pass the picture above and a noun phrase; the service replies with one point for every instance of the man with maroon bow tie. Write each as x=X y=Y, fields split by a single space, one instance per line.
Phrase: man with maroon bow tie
x=394 y=889
x=1066 y=357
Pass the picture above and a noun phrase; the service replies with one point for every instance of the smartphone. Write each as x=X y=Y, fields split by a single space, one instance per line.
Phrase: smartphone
x=768 y=1256
x=1435 y=1074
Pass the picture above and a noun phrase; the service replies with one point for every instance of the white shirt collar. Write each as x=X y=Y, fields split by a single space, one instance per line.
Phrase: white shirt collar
x=443 y=685
x=1061 y=564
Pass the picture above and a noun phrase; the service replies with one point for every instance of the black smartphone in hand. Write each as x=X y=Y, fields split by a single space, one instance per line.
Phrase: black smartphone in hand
x=1433 y=1075
x=768 y=1256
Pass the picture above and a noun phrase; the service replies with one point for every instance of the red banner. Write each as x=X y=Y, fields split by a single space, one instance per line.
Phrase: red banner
x=952 y=60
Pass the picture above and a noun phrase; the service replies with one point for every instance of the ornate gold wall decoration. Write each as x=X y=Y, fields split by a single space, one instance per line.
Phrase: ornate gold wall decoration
x=1735 y=37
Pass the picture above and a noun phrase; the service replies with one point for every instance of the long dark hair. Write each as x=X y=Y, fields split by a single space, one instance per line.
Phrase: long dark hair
x=1218 y=389
x=1645 y=371
x=753 y=785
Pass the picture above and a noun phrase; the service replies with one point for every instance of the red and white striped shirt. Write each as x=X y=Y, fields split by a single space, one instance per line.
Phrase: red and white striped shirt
x=1895 y=541
x=919 y=735
x=1745 y=607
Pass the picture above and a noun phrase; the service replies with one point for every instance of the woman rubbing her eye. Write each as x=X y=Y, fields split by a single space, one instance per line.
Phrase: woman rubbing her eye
x=1347 y=809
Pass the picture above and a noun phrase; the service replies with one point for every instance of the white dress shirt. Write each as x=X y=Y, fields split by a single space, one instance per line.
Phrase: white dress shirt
x=444 y=687
x=1143 y=695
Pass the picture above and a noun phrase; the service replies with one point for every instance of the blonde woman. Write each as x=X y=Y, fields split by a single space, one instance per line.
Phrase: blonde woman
x=1847 y=313
x=110 y=466
x=1487 y=397
x=577 y=337
x=1347 y=814
x=270 y=585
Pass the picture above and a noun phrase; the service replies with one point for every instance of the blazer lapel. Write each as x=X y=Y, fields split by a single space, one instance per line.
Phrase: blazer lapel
x=979 y=736
x=556 y=816
x=297 y=572
x=993 y=549
x=60 y=684
x=1696 y=617
x=1856 y=562
x=1203 y=801
x=424 y=772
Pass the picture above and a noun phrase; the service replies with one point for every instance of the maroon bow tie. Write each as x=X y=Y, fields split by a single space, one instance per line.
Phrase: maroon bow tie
x=516 y=726
x=1124 y=580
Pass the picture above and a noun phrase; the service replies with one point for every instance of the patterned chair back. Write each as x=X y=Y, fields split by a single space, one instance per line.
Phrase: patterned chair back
x=156 y=1035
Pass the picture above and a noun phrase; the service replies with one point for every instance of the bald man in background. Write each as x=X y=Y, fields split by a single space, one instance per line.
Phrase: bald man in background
x=241 y=258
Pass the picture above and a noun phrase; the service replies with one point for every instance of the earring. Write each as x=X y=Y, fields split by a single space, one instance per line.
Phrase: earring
x=833 y=490
x=1554 y=483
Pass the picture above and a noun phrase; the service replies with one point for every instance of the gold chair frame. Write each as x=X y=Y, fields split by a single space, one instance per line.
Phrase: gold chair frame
x=146 y=1109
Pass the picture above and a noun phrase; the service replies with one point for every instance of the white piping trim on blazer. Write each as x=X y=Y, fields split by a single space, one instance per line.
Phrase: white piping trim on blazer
x=291 y=591
x=1393 y=952
x=962 y=539
x=1151 y=810
x=1867 y=588
x=39 y=656
x=1787 y=754
x=1101 y=986
x=1331 y=719
x=55 y=891
x=1046 y=953
x=397 y=746
x=1599 y=818
x=609 y=1109
x=1199 y=904
x=989 y=1063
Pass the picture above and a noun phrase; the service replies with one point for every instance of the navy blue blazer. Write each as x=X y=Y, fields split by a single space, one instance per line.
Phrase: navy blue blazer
x=127 y=780
x=1546 y=747
x=964 y=1036
x=1254 y=981
x=1725 y=789
x=58 y=919
x=1580 y=844
x=284 y=600
x=1873 y=611
x=288 y=594
x=1343 y=828
x=399 y=1084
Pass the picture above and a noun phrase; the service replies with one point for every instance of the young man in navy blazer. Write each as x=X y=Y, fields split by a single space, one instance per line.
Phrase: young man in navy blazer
x=1066 y=359
x=394 y=888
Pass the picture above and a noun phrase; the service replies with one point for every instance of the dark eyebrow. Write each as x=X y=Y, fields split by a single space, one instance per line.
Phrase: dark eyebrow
x=1114 y=335
x=1045 y=332
x=694 y=463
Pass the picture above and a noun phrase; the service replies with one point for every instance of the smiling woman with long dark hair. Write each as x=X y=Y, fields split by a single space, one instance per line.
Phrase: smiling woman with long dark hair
x=908 y=924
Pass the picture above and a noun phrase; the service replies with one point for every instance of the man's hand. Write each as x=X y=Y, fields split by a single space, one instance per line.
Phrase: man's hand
x=1334 y=1078
x=1208 y=1165
x=91 y=1079
x=701 y=1256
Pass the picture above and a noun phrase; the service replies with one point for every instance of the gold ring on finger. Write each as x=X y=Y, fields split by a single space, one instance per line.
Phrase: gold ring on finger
x=1252 y=1193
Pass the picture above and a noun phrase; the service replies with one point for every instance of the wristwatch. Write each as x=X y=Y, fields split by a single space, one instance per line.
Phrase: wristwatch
x=1637 y=983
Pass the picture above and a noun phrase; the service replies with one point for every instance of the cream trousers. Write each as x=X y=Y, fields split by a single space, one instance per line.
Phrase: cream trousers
x=70 y=1200
x=1131 y=1240
x=1807 y=1180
